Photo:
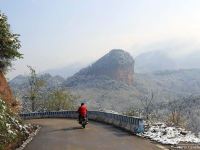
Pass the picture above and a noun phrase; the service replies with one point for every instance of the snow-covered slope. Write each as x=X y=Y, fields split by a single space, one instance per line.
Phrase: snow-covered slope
x=12 y=130
x=164 y=134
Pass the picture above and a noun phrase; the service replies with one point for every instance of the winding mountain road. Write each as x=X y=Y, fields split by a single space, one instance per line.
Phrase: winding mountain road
x=66 y=134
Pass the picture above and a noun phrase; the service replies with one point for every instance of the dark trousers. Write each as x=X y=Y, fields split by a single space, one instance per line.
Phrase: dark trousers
x=79 y=117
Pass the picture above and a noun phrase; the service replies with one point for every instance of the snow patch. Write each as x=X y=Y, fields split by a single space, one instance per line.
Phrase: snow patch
x=169 y=135
x=30 y=138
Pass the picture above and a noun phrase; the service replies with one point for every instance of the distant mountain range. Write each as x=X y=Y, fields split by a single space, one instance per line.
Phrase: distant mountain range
x=147 y=62
x=110 y=83
x=160 y=61
x=154 y=61
x=66 y=71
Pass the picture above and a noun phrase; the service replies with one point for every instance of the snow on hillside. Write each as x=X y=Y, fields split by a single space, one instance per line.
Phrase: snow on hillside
x=169 y=135
x=12 y=130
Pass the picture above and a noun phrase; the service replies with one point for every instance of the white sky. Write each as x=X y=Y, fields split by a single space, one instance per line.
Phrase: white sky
x=58 y=33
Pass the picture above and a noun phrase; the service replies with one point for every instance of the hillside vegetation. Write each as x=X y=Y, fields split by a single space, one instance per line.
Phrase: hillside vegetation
x=12 y=130
x=118 y=88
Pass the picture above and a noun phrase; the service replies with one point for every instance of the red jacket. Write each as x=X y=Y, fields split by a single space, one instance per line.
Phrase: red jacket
x=82 y=110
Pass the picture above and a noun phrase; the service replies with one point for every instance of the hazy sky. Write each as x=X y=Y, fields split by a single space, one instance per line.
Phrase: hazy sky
x=58 y=33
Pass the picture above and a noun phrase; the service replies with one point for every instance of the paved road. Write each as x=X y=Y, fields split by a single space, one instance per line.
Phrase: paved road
x=66 y=134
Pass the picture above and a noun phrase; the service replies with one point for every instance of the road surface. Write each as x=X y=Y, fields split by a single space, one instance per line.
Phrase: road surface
x=66 y=134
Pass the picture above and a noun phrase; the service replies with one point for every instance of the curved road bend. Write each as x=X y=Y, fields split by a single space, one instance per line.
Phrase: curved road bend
x=66 y=134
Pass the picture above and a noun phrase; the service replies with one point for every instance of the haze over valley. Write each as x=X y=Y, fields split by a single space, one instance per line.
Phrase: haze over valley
x=134 y=64
x=111 y=80
x=147 y=62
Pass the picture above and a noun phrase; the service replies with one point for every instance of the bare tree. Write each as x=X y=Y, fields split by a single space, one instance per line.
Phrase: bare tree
x=147 y=104
x=176 y=108
x=34 y=86
x=133 y=111
x=193 y=122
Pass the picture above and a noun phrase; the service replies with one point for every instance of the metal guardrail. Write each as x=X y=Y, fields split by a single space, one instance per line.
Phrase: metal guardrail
x=132 y=124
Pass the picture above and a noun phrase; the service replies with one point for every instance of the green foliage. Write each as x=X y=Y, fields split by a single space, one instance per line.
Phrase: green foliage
x=60 y=100
x=9 y=44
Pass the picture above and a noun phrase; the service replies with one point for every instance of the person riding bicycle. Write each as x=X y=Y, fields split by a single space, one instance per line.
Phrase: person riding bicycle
x=82 y=110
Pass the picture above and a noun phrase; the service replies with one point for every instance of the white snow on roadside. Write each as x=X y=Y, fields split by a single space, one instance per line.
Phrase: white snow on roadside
x=169 y=135
x=30 y=138
x=11 y=124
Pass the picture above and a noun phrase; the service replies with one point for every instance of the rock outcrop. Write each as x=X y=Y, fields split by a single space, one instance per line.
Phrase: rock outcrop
x=5 y=91
x=117 y=65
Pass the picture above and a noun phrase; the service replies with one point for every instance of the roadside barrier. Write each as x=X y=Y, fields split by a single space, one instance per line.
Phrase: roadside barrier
x=131 y=124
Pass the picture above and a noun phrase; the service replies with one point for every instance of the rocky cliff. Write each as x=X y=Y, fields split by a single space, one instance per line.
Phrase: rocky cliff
x=5 y=91
x=117 y=65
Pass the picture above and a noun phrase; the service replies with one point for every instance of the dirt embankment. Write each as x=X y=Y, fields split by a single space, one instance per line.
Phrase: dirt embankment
x=6 y=92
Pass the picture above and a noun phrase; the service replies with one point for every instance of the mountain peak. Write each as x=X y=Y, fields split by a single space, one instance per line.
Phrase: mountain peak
x=117 y=65
x=117 y=51
x=119 y=57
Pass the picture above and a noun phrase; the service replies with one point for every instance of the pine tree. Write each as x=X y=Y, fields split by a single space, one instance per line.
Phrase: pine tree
x=9 y=44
